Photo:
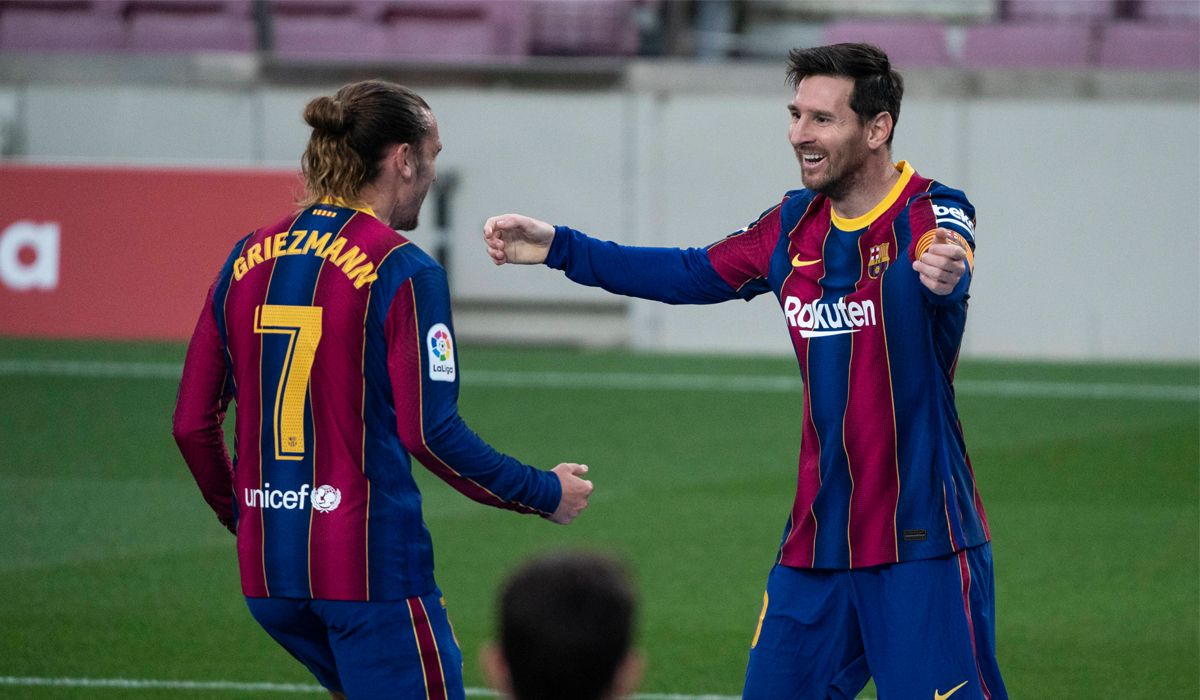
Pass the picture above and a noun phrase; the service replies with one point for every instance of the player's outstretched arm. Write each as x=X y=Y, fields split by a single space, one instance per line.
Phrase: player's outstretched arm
x=575 y=492
x=513 y=238
x=943 y=264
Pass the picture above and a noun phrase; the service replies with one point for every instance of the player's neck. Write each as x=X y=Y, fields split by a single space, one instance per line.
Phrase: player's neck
x=873 y=183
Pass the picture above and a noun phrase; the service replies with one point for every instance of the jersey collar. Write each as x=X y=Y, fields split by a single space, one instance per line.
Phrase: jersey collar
x=861 y=222
x=338 y=202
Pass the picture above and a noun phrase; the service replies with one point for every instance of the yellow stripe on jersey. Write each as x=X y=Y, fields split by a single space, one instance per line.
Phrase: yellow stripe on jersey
x=761 y=616
x=861 y=222
x=338 y=202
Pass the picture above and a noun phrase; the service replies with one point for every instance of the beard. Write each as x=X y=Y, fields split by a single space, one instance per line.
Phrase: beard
x=407 y=213
x=840 y=179
x=405 y=221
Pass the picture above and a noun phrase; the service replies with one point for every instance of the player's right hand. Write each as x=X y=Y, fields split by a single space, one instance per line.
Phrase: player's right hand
x=575 y=492
x=513 y=238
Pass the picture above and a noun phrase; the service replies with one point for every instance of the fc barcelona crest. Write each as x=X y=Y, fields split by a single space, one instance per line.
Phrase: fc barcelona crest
x=879 y=260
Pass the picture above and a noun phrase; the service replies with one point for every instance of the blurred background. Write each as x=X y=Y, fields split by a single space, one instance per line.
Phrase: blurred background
x=140 y=138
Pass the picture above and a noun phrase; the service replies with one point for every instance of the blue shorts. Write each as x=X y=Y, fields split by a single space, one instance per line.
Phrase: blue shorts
x=389 y=649
x=922 y=629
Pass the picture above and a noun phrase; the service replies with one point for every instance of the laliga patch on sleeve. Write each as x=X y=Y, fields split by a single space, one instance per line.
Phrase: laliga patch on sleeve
x=441 y=353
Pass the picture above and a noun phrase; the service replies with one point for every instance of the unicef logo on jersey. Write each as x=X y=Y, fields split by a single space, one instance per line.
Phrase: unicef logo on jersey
x=441 y=353
x=326 y=498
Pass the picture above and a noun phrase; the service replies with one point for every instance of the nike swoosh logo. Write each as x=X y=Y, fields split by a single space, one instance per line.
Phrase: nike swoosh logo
x=797 y=262
x=948 y=693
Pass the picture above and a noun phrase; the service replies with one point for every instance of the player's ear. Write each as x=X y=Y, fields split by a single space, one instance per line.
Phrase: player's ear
x=629 y=675
x=495 y=670
x=404 y=158
x=879 y=130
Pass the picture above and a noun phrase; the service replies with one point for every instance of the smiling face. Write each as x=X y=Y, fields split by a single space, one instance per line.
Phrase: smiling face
x=829 y=138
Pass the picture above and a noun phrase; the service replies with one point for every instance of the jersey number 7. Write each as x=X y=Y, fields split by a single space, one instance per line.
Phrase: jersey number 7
x=302 y=326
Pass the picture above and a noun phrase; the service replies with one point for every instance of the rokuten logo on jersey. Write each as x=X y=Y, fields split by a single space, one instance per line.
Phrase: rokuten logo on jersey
x=441 y=353
x=816 y=318
x=324 y=498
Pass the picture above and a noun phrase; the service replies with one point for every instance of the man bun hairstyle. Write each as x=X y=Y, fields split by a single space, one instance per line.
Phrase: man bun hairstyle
x=350 y=132
x=877 y=87
x=328 y=115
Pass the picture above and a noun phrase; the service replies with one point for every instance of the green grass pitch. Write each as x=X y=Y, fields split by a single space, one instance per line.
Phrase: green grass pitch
x=111 y=566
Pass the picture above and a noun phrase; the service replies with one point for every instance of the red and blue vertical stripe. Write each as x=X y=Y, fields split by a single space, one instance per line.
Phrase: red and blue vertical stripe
x=883 y=475
x=369 y=401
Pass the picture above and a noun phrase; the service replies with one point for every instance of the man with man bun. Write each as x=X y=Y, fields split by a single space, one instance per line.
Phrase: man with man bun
x=332 y=333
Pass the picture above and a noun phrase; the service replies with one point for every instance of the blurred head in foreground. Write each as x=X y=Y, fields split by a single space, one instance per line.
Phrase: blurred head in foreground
x=566 y=624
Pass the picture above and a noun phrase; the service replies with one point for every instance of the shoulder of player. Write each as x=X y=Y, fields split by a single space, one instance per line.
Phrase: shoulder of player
x=942 y=206
x=791 y=206
x=408 y=261
x=938 y=194
x=799 y=196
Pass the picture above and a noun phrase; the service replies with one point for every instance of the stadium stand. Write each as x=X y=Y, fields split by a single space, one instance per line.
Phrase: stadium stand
x=909 y=43
x=400 y=30
x=61 y=25
x=1150 y=45
x=189 y=25
x=1044 y=10
x=325 y=29
x=455 y=30
x=1186 y=10
x=584 y=27
x=1027 y=44
x=1067 y=35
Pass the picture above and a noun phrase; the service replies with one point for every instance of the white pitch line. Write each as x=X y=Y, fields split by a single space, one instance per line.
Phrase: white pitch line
x=634 y=381
x=91 y=369
x=234 y=686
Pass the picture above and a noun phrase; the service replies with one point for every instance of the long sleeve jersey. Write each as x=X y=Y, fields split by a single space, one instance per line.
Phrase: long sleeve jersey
x=883 y=474
x=332 y=334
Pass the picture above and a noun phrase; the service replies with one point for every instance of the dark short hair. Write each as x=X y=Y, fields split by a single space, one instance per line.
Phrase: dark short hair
x=566 y=623
x=877 y=87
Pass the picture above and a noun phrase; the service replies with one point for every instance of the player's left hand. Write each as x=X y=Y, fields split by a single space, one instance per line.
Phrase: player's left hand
x=943 y=264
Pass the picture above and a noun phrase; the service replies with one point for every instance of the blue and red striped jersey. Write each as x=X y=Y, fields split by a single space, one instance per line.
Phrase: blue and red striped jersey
x=884 y=474
x=332 y=334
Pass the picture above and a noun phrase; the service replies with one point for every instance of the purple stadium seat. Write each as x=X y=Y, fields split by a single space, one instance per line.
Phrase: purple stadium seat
x=907 y=43
x=327 y=29
x=1150 y=45
x=61 y=25
x=1059 y=9
x=584 y=27
x=1188 y=10
x=189 y=25
x=1028 y=45
x=454 y=30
